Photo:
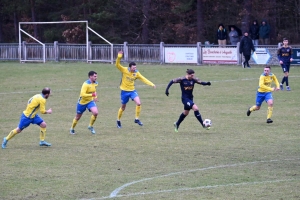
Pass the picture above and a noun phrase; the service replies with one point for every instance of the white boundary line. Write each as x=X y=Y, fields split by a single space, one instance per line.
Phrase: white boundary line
x=114 y=194
x=138 y=86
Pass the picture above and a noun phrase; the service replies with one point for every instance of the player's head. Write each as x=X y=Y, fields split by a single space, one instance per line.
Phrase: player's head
x=285 y=41
x=267 y=70
x=46 y=92
x=132 y=66
x=246 y=33
x=92 y=76
x=190 y=73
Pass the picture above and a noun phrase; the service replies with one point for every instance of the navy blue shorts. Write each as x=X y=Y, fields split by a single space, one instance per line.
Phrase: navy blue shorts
x=188 y=103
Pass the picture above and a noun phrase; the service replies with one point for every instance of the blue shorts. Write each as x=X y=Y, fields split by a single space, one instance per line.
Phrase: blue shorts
x=81 y=108
x=285 y=67
x=26 y=121
x=263 y=96
x=125 y=95
x=188 y=103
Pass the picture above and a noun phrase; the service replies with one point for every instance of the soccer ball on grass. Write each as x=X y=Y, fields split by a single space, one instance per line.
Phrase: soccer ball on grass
x=207 y=123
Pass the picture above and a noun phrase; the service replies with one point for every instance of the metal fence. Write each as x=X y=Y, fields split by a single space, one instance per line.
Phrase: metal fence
x=141 y=53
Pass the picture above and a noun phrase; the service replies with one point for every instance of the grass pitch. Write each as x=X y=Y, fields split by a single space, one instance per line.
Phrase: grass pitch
x=239 y=158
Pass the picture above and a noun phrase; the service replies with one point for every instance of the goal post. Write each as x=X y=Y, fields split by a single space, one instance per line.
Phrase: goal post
x=43 y=45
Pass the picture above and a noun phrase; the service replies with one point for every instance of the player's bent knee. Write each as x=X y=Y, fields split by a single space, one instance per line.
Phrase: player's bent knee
x=43 y=125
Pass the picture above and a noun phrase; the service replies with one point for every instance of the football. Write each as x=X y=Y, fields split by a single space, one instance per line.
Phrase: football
x=207 y=123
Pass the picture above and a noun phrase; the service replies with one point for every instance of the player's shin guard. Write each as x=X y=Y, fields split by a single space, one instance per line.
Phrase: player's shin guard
x=42 y=134
x=181 y=118
x=270 y=111
x=137 y=111
x=92 y=120
x=74 y=123
x=120 y=113
x=198 y=116
x=283 y=80
x=287 y=81
x=11 y=134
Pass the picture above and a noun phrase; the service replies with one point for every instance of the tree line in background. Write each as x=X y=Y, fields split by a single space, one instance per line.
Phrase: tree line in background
x=146 y=21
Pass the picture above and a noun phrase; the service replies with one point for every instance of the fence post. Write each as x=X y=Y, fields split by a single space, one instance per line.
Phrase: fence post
x=89 y=51
x=199 y=53
x=24 y=50
x=161 y=52
x=239 y=56
x=125 y=49
x=55 y=48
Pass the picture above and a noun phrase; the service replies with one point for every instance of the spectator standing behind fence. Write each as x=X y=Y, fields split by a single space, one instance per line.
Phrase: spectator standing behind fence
x=234 y=36
x=221 y=35
x=246 y=46
x=264 y=33
x=254 y=32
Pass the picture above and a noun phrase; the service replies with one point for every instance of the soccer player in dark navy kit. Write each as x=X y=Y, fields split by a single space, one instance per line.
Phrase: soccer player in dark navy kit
x=187 y=83
x=285 y=58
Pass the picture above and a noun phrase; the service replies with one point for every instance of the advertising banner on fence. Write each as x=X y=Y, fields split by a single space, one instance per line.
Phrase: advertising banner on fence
x=219 y=55
x=296 y=57
x=180 y=55
x=261 y=56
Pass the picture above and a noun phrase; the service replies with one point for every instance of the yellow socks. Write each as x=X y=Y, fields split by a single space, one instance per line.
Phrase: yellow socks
x=253 y=108
x=74 y=123
x=120 y=112
x=11 y=134
x=270 y=111
x=42 y=134
x=137 y=111
x=92 y=120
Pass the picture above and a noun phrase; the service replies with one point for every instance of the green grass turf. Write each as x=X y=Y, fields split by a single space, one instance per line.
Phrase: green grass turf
x=239 y=158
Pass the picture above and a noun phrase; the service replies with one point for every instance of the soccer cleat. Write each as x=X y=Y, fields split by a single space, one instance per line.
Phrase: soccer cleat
x=119 y=124
x=269 y=121
x=207 y=128
x=4 y=143
x=92 y=129
x=176 y=127
x=44 y=143
x=248 y=66
x=288 y=88
x=72 y=131
x=248 y=112
x=281 y=87
x=138 y=122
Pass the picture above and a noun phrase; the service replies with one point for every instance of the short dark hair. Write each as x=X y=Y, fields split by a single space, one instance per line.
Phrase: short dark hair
x=91 y=73
x=190 y=71
x=284 y=39
x=268 y=66
x=132 y=63
x=46 y=90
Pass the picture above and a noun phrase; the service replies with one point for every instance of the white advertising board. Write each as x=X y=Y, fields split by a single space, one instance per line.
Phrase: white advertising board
x=261 y=56
x=219 y=55
x=180 y=55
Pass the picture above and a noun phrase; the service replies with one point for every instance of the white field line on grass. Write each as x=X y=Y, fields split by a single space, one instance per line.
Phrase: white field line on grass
x=115 y=193
x=138 y=86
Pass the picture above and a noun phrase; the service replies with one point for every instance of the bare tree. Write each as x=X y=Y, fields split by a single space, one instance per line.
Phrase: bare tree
x=200 y=21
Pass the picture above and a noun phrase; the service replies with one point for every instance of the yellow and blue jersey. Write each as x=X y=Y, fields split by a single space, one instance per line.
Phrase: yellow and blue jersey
x=128 y=77
x=87 y=89
x=35 y=104
x=265 y=82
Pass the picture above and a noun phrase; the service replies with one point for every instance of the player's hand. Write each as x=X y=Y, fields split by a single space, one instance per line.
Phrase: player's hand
x=277 y=89
x=154 y=86
x=120 y=52
x=49 y=111
x=280 y=62
x=167 y=92
x=96 y=99
x=94 y=94
x=208 y=83
x=291 y=60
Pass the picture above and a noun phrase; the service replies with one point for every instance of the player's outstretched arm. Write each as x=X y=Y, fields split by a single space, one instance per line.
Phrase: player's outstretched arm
x=167 y=89
x=205 y=83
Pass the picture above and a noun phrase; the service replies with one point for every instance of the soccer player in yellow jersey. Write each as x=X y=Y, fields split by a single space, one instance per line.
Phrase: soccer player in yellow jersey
x=87 y=99
x=129 y=75
x=30 y=116
x=264 y=92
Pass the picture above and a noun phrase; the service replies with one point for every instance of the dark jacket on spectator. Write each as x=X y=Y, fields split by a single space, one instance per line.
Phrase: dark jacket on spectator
x=254 y=30
x=221 y=33
x=264 y=30
x=246 y=46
